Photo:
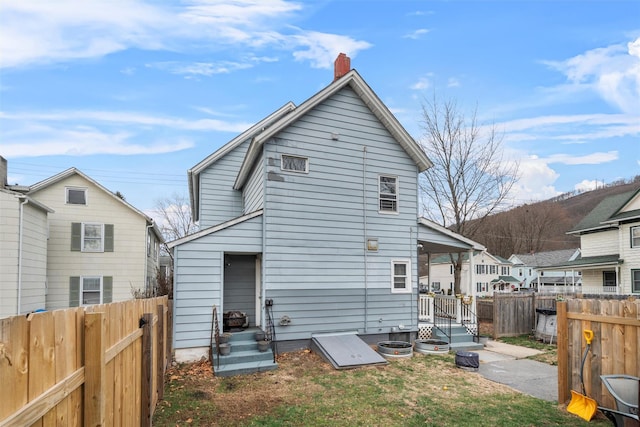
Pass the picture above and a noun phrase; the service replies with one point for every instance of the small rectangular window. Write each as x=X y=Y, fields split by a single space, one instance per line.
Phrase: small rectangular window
x=294 y=164
x=635 y=281
x=76 y=196
x=91 y=291
x=388 y=193
x=401 y=276
x=635 y=237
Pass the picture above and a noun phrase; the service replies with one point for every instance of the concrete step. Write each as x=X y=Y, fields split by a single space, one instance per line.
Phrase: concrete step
x=240 y=356
x=244 y=368
x=465 y=346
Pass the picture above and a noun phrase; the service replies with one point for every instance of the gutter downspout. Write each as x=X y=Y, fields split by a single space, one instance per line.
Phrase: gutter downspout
x=20 y=239
x=364 y=243
x=146 y=259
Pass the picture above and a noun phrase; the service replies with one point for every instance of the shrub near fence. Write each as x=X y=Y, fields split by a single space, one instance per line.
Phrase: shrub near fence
x=97 y=365
x=614 y=349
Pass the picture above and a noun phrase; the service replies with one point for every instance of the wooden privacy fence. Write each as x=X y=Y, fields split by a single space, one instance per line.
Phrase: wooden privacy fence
x=98 y=365
x=614 y=349
x=514 y=314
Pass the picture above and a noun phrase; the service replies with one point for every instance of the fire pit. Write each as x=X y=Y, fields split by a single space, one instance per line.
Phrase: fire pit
x=234 y=320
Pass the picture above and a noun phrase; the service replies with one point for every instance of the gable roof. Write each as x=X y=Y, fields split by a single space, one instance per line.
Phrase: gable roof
x=193 y=174
x=544 y=259
x=607 y=213
x=73 y=171
x=357 y=83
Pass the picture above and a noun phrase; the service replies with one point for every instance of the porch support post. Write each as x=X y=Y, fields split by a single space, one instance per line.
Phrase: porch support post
x=472 y=274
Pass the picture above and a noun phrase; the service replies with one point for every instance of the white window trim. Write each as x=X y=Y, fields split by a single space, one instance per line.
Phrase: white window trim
x=66 y=195
x=81 y=296
x=306 y=163
x=82 y=248
x=631 y=236
x=407 y=288
x=397 y=211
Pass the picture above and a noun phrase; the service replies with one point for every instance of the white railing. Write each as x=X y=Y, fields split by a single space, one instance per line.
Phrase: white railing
x=425 y=308
x=452 y=307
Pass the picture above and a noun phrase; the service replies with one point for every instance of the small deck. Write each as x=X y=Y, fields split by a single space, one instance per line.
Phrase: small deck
x=437 y=312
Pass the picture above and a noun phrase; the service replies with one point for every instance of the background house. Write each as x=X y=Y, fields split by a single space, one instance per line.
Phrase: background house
x=23 y=250
x=609 y=246
x=100 y=249
x=527 y=267
x=309 y=220
x=491 y=273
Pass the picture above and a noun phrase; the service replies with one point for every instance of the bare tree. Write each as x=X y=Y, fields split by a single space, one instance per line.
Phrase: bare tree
x=469 y=179
x=173 y=215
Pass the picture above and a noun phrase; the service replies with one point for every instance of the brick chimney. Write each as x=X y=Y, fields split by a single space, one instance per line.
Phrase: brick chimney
x=341 y=66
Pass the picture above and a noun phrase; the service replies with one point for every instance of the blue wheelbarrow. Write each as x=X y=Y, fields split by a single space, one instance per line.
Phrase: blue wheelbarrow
x=625 y=390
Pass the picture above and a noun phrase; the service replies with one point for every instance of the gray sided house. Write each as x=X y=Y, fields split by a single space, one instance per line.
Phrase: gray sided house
x=311 y=215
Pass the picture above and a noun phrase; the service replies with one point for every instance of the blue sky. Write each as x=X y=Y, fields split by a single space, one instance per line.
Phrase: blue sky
x=134 y=93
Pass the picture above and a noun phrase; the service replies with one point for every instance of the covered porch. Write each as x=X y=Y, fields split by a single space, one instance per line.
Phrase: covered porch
x=453 y=316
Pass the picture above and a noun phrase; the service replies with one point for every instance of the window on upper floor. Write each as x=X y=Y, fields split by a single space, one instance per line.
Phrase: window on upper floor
x=294 y=163
x=400 y=276
x=75 y=195
x=635 y=281
x=493 y=269
x=504 y=271
x=388 y=194
x=635 y=237
x=91 y=237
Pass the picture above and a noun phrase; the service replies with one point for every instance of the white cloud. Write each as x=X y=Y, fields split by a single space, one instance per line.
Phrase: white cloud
x=586 y=185
x=453 y=82
x=613 y=72
x=536 y=181
x=422 y=84
x=589 y=159
x=414 y=35
x=33 y=33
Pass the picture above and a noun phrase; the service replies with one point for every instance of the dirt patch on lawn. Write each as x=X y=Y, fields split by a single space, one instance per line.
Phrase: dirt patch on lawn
x=194 y=396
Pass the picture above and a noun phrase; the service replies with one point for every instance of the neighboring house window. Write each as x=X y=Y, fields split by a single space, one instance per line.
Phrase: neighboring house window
x=87 y=290
x=294 y=163
x=494 y=269
x=609 y=281
x=451 y=269
x=635 y=237
x=635 y=281
x=76 y=196
x=388 y=193
x=401 y=276
x=505 y=271
x=91 y=237
x=435 y=286
x=481 y=269
x=519 y=272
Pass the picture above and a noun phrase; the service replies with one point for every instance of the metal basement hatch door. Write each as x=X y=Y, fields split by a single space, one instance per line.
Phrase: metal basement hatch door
x=346 y=350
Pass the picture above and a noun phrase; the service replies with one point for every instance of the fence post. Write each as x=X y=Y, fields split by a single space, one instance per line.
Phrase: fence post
x=160 y=357
x=563 y=352
x=146 y=323
x=95 y=325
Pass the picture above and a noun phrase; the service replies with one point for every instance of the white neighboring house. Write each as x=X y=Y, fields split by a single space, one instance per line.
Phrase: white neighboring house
x=610 y=246
x=23 y=250
x=492 y=274
x=101 y=249
x=527 y=268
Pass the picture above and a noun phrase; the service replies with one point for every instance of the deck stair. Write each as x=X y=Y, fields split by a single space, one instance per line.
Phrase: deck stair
x=244 y=357
x=460 y=340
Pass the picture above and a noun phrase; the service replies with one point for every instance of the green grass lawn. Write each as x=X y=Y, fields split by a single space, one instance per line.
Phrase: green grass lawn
x=426 y=390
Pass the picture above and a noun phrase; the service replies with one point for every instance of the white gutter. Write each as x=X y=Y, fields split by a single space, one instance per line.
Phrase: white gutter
x=20 y=233
x=364 y=244
x=146 y=259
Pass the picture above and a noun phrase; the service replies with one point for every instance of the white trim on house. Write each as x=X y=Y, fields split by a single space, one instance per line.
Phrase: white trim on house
x=407 y=276
x=437 y=227
x=214 y=229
